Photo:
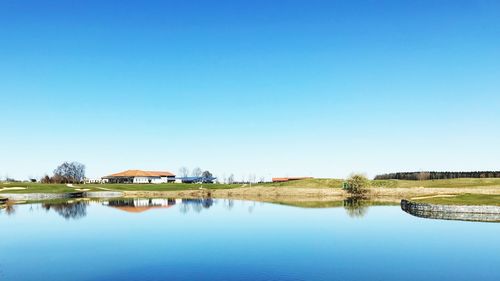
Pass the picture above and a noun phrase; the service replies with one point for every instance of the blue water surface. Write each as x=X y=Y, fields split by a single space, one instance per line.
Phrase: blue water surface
x=238 y=240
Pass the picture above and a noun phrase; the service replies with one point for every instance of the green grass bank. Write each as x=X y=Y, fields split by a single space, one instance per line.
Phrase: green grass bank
x=463 y=199
x=453 y=191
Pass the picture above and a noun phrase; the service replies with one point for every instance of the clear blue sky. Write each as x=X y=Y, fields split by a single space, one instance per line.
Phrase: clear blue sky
x=272 y=88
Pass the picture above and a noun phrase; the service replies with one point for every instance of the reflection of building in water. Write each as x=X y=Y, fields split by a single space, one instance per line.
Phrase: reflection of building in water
x=140 y=205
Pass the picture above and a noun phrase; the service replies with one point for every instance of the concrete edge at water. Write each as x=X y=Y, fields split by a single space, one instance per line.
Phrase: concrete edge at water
x=452 y=212
x=51 y=196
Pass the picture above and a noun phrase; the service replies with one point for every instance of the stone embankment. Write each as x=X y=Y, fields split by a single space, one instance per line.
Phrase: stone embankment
x=452 y=212
x=51 y=196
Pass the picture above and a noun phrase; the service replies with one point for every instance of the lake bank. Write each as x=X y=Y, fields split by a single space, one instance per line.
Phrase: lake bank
x=310 y=190
x=469 y=196
x=268 y=194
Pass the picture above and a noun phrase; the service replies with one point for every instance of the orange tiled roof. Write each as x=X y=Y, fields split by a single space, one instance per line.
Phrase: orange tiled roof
x=162 y=173
x=289 y=179
x=140 y=173
x=279 y=179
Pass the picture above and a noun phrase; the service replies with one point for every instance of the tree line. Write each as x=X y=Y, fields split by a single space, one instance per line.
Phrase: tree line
x=438 y=175
x=231 y=179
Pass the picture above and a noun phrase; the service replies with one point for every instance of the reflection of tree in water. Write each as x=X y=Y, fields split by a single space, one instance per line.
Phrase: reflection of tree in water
x=195 y=204
x=229 y=204
x=68 y=210
x=9 y=209
x=356 y=207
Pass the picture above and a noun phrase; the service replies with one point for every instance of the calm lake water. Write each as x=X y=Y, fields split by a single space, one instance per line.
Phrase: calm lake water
x=239 y=240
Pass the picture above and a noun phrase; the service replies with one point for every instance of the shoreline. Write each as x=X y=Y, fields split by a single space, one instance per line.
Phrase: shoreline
x=378 y=192
x=270 y=194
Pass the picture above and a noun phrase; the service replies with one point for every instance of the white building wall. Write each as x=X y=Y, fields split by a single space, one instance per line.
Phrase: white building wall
x=141 y=180
x=152 y=179
x=95 y=180
x=164 y=179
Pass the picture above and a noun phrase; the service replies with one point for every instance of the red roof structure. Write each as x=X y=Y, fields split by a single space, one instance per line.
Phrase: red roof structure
x=290 y=179
x=140 y=173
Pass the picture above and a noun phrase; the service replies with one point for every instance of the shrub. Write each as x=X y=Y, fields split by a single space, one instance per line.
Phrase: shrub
x=357 y=185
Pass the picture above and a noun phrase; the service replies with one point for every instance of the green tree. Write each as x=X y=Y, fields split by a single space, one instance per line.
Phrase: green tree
x=357 y=185
x=206 y=174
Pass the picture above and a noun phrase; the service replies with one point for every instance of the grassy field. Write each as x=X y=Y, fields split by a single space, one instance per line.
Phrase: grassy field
x=464 y=199
x=62 y=188
x=35 y=188
x=337 y=183
x=306 y=183
x=395 y=188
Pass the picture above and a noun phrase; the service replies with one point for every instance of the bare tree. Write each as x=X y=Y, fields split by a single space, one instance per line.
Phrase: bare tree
x=252 y=178
x=184 y=172
x=69 y=172
x=196 y=172
x=46 y=179
x=230 y=179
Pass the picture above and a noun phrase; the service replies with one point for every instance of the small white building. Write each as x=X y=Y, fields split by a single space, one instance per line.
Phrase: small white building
x=139 y=176
x=87 y=180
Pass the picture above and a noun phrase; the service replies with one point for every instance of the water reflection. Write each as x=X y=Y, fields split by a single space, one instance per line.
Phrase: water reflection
x=196 y=205
x=228 y=203
x=139 y=205
x=8 y=208
x=69 y=209
x=356 y=207
x=184 y=205
x=75 y=209
x=275 y=242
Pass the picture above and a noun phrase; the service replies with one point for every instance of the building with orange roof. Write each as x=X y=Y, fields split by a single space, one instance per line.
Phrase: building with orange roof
x=290 y=179
x=140 y=176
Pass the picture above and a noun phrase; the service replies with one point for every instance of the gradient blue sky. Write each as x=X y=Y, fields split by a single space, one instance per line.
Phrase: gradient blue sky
x=272 y=88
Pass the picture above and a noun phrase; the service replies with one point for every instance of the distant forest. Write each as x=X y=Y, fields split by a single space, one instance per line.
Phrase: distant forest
x=437 y=175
